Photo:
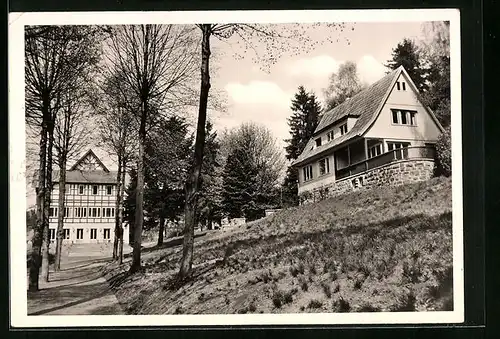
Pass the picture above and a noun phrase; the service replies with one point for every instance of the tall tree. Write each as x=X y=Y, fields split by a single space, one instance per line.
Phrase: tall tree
x=276 y=41
x=303 y=121
x=436 y=52
x=406 y=54
x=343 y=84
x=72 y=135
x=157 y=62
x=168 y=152
x=115 y=109
x=55 y=56
x=210 y=201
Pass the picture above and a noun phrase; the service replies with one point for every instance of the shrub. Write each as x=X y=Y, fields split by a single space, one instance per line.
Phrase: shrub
x=341 y=306
x=314 y=304
x=326 y=289
x=443 y=153
x=405 y=302
x=368 y=308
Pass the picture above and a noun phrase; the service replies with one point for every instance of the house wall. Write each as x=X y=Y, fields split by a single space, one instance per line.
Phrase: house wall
x=426 y=129
x=336 y=130
x=393 y=174
x=330 y=177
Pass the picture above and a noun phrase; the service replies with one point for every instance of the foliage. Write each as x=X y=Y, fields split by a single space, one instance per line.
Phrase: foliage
x=129 y=203
x=210 y=200
x=443 y=153
x=30 y=219
x=168 y=151
x=252 y=171
x=303 y=121
x=406 y=54
x=342 y=85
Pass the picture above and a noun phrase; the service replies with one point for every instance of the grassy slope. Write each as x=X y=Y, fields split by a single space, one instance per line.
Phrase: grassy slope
x=388 y=249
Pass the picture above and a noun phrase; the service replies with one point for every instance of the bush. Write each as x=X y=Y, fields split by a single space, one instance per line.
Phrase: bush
x=443 y=153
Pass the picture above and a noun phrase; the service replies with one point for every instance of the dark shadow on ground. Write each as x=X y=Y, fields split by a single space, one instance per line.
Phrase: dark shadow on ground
x=82 y=294
x=166 y=244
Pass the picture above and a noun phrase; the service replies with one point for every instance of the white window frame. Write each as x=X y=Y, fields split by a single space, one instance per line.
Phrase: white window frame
x=307 y=173
x=330 y=136
x=325 y=169
x=66 y=233
x=343 y=129
x=398 y=147
x=78 y=233
x=93 y=233
x=96 y=189
x=106 y=234
x=109 y=189
x=316 y=142
x=410 y=117
x=372 y=151
x=81 y=190
x=52 y=233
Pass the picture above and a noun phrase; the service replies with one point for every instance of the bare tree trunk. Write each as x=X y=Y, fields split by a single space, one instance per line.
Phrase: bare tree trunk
x=136 y=254
x=120 y=212
x=161 y=230
x=35 y=262
x=193 y=180
x=117 y=207
x=46 y=205
x=60 y=216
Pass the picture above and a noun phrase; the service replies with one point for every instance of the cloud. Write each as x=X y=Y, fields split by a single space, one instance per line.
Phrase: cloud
x=258 y=92
x=318 y=66
x=370 y=69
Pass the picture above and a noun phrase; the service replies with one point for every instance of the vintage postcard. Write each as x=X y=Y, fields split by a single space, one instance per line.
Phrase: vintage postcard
x=235 y=168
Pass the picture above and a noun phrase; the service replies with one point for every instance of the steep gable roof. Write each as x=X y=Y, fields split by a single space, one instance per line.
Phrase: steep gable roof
x=88 y=158
x=366 y=104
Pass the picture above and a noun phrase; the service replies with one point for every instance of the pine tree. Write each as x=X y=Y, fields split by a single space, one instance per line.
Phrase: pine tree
x=406 y=54
x=304 y=120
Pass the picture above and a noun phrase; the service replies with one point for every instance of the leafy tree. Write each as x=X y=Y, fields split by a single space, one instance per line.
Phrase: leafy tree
x=129 y=204
x=252 y=171
x=436 y=52
x=57 y=57
x=443 y=152
x=342 y=85
x=157 y=63
x=406 y=54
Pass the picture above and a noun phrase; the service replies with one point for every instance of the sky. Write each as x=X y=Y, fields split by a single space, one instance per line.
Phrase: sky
x=254 y=95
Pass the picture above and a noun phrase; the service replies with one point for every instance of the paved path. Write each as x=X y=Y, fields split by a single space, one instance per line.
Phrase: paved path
x=79 y=288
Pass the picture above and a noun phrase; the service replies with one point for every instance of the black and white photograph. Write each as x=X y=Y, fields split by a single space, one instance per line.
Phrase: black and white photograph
x=267 y=167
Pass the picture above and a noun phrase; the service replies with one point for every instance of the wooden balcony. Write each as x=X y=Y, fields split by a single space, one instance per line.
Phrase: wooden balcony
x=406 y=153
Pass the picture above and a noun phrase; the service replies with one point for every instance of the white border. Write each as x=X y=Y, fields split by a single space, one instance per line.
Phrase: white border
x=17 y=188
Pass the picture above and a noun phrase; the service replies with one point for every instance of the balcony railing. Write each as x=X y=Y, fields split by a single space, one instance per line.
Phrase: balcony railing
x=414 y=152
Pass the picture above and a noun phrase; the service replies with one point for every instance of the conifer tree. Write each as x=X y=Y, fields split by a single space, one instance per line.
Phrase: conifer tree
x=303 y=121
x=406 y=54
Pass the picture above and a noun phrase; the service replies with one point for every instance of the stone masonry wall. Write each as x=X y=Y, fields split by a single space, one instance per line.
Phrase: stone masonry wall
x=393 y=174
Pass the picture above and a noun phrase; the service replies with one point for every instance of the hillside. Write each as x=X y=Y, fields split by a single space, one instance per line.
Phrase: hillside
x=388 y=249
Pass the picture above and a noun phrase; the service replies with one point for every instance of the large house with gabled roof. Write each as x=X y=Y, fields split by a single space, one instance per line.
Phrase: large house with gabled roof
x=90 y=202
x=384 y=135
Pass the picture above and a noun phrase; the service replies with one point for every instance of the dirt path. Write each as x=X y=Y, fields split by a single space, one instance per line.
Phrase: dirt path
x=79 y=288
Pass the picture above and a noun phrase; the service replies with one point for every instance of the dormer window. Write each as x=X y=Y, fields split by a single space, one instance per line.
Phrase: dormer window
x=404 y=117
x=318 y=142
x=343 y=129
x=330 y=136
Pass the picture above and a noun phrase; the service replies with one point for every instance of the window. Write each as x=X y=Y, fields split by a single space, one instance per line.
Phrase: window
x=398 y=85
x=79 y=233
x=94 y=189
x=66 y=233
x=53 y=212
x=98 y=212
x=324 y=166
x=402 y=117
x=375 y=150
x=94 y=212
x=84 y=212
x=330 y=136
x=318 y=142
x=93 y=233
x=307 y=171
x=399 y=148
x=52 y=233
x=66 y=212
x=108 y=212
x=112 y=212
x=109 y=189
x=107 y=233
x=404 y=87
x=80 y=189
x=343 y=129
